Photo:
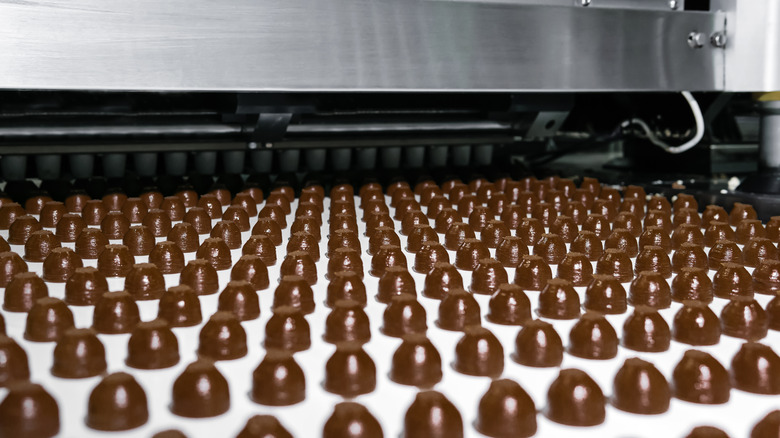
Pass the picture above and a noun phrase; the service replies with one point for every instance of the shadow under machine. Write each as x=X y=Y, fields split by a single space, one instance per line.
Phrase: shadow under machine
x=654 y=92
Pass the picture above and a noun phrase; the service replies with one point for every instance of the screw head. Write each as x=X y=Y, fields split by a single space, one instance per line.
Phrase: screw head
x=718 y=39
x=586 y=2
x=673 y=5
x=696 y=40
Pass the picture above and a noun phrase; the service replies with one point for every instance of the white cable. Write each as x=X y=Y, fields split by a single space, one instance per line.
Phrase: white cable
x=698 y=117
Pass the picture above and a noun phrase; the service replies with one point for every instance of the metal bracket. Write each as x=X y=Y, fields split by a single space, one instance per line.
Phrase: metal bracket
x=271 y=127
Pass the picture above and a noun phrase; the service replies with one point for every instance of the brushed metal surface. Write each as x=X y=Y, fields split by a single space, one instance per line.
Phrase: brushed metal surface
x=349 y=45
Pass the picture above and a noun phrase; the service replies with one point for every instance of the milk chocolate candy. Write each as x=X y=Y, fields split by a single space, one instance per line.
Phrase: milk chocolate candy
x=622 y=239
x=724 y=251
x=488 y=275
x=4 y=246
x=766 y=277
x=432 y=415
x=494 y=233
x=458 y=310
x=145 y=282
x=700 y=378
x=486 y=191
x=262 y=426
x=399 y=193
x=479 y=353
x=429 y=254
x=551 y=248
x=396 y=280
x=650 y=289
x=200 y=391
x=654 y=259
x=530 y=231
x=158 y=222
x=85 y=286
x=744 y=318
x=215 y=251
x=135 y=209
x=632 y=206
x=115 y=313
x=659 y=219
x=303 y=241
x=261 y=246
x=180 y=306
x=29 y=411
x=288 y=330
x=687 y=233
x=60 y=264
x=655 y=236
x=639 y=388
x=576 y=268
x=222 y=337
x=187 y=196
x=732 y=280
x=510 y=251
x=526 y=200
x=686 y=216
x=748 y=229
x=634 y=192
x=692 y=284
x=416 y=362
x=78 y=354
x=589 y=244
x=346 y=285
x=506 y=410
x=307 y=224
x=117 y=403
x=445 y=218
x=592 y=185
x=559 y=300
x=51 y=213
x=593 y=337
x=14 y=366
x=343 y=221
x=347 y=322
x=199 y=219
x=39 y=245
x=605 y=294
x=168 y=257
x=350 y=371
x=756 y=368
x=294 y=291
x=115 y=225
x=713 y=213
x=577 y=212
x=21 y=229
x=268 y=227
x=441 y=280
x=152 y=345
x=139 y=240
x=114 y=200
x=768 y=427
x=94 y=212
x=377 y=238
x=545 y=212
x=757 y=249
x=90 y=243
x=532 y=273
x=436 y=205
x=387 y=256
x=278 y=380
x=646 y=330
x=478 y=215
x=22 y=292
x=47 y=320
x=717 y=231
x=351 y=420
x=404 y=315
x=456 y=234
x=696 y=324
x=152 y=198
x=557 y=199
x=606 y=208
x=689 y=255
x=210 y=203
x=238 y=217
x=240 y=298
x=412 y=218
x=8 y=213
x=574 y=399
x=740 y=212
x=115 y=261
x=10 y=265
x=346 y=239
x=583 y=197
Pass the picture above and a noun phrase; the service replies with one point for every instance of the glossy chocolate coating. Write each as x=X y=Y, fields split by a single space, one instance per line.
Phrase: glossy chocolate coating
x=530 y=231
x=10 y=265
x=748 y=229
x=538 y=345
x=532 y=273
x=28 y=410
x=740 y=212
x=268 y=227
x=593 y=337
x=713 y=213
x=180 y=306
x=756 y=368
x=347 y=322
x=432 y=415
x=239 y=297
x=597 y=224
x=261 y=246
x=9 y=211
x=565 y=227
x=646 y=330
x=706 y=432
x=199 y=219
x=716 y=231
x=167 y=257
x=21 y=229
x=653 y=258
x=60 y=264
x=278 y=380
x=215 y=251
x=90 y=243
x=576 y=268
x=85 y=286
x=350 y=371
x=757 y=249
x=411 y=219
x=429 y=254
x=344 y=259
x=510 y=251
x=78 y=354
x=117 y=403
x=22 y=292
x=657 y=218
x=210 y=203
x=559 y=300
x=115 y=261
x=479 y=353
x=458 y=310
x=115 y=312
x=494 y=233
x=441 y=279
x=655 y=236
x=139 y=240
x=687 y=233
x=306 y=224
x=456 y=234
x=689 y=255
x=238 y=216
x=222 y=337
x=587 y=243
x=551 y=248
x=287 y=329
x=263 y=426
x=69 y=227
x=692 y=284
x=574 y=399
x=622 y=239
x=724 y=251
x=346 y=285
x=696 y=324
x=114 y=225
x=639 y=388
x=605 y=294
x=404 y=315
x=94 y=212
x=773 y=313
x=251 y=268
x=768 y=427
x=416 y=362
x=616 y=263
x=304 y=242
x=650 y=289
x=487 y=277
x=700 y=378
x=545 y=212
x=152 y=345
x=732 y=280
x=152 y=197
x=14 y=366
x=294 y=291
x=506 y=410
x=744 y=318
x=351 y=420
x=387 y=256
x=47 y=320
x=200 y=391
x=187 y=196
x=134 y=209
x=201 y=276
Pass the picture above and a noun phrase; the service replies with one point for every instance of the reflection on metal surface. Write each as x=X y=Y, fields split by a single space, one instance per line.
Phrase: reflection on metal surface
x=352 y=45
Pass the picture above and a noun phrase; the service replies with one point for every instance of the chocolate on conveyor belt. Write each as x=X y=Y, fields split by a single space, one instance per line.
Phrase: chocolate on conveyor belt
x=415 y=308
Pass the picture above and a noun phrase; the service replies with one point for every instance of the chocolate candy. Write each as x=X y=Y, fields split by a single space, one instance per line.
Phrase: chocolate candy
x=744 y=318
x=416 y=362
x=200 y=391
x=487 y=276
x=494 y=232
x=687 y=233
x=565 y=227
x=593 y=337
x=21 y=229
x=300 y=263
x=559 y=300
x=538 y=345
x=239 y=297
x=268 y=227
x=94 y=212
x=69 y=227
x=724 y=251
x=622 y=239
x=656 y=218
x=278 y=380
x=180 y=306
x=432 y=415
x=574 y=399
x=506 y=410
x=295 y=292
x=167 y=257
x=14 y=366
x=458 y=310
x=10 y=265
x=158 y=222
x=576 y=268
x=139 y=240
x=9 y=211
x=510 y=251
x=441 y=279
x=115 y=312
x=200 y=276
x=185 y=236
x=187 y=196
x=605 y=294
x=692 y=284
x=741 y=212
x=530 y=231
x=616 y=263
x=696 y=324
x=532 y=273
x=145 y=282
x=757 y=249
x=287 y=329
x=85 y=287
x=689 y=255
x=429 y=254
x=598 y=224
x=479 y=353
x=347 y=322
x=60 y=264
x=78 y=354
x=404 y=315
x=199 y=219
x=47 y=320
x=706 y=432
x=222 y=337
x=152 y=345
x=639 y=388
x=351 y=420
x=22 y=292
x=732 y=280
x=700 y=378
x=350 y=371
x=653 y=258
x=756 y=368
x=655 y=236
x=456 y=234
x=509 y=306
x=90 y=243
x=261 y=426
x=117 y=403
x=261 y=246
x=211 y=205
x=115 y=261
x=134 y=209
x=215 y=251
x=114 y=225
x=39 y=245
x=716 y=231
x=346 y=285
x=239 y=217
x=588 y=244
x=768 y=427
x=650 y=289
x=29 y=411
x=646 y=330
x=251 y=268
x=387 y=256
